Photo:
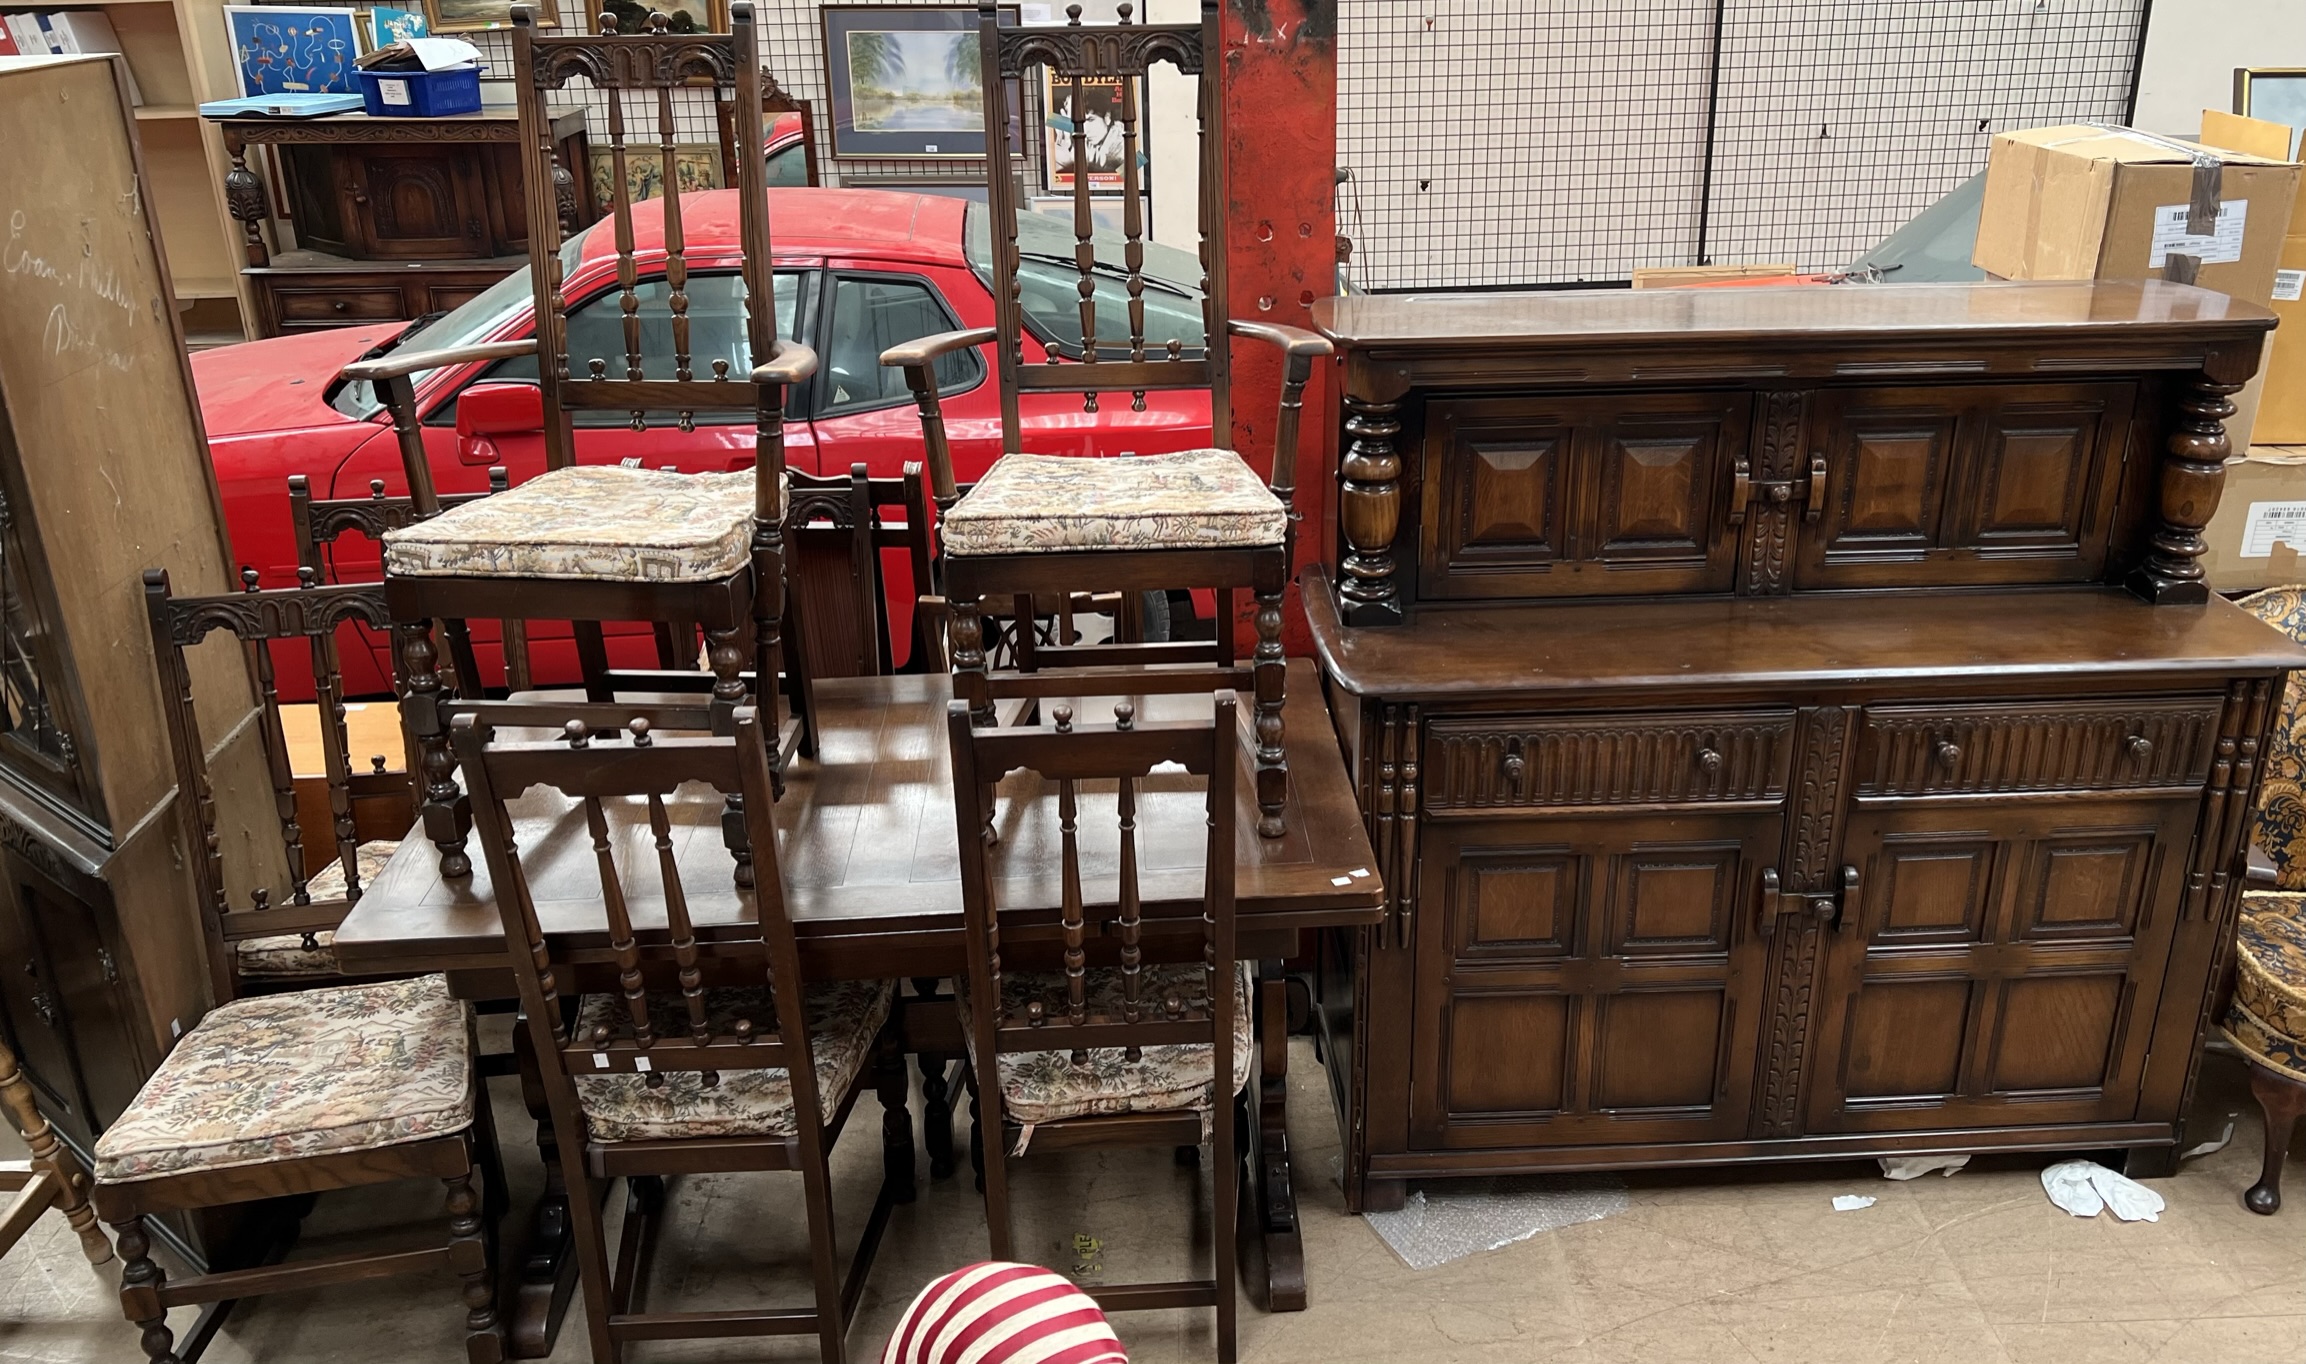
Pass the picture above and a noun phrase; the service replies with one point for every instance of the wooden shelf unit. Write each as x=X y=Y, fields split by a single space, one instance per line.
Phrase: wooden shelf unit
x=180 y=55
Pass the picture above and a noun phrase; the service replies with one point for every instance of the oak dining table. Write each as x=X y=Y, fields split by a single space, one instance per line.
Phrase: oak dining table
x=870 y=860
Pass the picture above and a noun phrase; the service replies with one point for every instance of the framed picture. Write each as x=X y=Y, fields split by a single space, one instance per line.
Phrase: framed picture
x=464 y=16
x=281 y=50
x=696 y=166
x=1097 y=123
x=388 y=26
x=2276 y=94
x=682 y=16
x=953 y=187
x=905 y=81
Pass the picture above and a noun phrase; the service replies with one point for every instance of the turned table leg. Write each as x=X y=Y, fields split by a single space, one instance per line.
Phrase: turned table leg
x=1273 y=1198
x=1369 y=504
x=443 y=809
x=2193 y=473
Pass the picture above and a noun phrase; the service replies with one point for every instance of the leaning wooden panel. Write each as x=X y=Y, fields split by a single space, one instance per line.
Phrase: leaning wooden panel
x=104 y=468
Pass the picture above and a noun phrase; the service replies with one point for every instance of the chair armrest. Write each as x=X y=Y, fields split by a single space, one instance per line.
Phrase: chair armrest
x=790 y=362
x=2259 y=869
x=401 y=363
x=929 y=348
x=1291 y=340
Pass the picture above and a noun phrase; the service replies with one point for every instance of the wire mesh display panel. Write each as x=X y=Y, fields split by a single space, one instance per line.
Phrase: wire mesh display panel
x=1493 y=143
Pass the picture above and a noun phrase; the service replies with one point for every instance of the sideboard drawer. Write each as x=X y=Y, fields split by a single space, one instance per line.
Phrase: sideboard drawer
x=342 y=305
x=1505 y=762
x=2035 y=746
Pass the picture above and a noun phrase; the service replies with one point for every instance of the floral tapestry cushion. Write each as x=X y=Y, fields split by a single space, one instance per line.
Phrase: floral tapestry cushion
x=845 y=1018
x=308 y=1073
x=1194 y=499
x=2282 y=795
x=1045 y=1086
x=2268 y=1017
x=595 y=522
x=288 y=954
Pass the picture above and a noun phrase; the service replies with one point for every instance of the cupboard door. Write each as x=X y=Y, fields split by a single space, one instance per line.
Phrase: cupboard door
x=416 y=203
x=1588 y=978
x=2000 y=963
x=1580 y=496
x=1953 y=484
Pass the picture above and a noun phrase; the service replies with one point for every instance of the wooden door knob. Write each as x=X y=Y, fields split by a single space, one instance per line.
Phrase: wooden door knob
x=1514 y=767
x=1709 y=758
x=2141 y=747
x=1949 y=753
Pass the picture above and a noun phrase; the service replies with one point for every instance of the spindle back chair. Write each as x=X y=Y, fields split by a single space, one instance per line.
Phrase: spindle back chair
x=714 y=1052
x=280 y=939
x=599 y=543
x=1198 y=518
x=1106 y=1055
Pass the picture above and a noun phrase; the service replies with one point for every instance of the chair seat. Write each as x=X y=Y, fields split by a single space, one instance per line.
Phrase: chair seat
x=1046 y=1086
x=2268 y=1017
x=287 y=954
x=307 y=1073
x=845 y=1018
x=593 y=523
x=1044 y=504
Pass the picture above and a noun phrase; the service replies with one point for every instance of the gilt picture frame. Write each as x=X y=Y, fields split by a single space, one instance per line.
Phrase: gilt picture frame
x=470 y=16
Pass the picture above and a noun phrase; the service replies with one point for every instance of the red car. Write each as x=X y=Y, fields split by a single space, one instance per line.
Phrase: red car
x=857 y=271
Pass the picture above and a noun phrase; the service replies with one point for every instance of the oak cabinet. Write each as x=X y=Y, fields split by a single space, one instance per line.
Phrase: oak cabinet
x=1791 y=723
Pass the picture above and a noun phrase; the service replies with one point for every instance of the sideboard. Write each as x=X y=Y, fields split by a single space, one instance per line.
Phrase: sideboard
x=1791 y=721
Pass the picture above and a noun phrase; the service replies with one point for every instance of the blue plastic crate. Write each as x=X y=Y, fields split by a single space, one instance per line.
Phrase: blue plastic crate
x=420 y=94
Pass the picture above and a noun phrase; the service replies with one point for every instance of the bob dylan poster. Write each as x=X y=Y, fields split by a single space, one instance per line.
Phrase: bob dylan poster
x=1097 y=123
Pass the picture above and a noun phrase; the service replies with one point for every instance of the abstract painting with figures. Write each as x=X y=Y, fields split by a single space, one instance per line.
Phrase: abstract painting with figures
x=464 y=16
x=908 y=81
x=284 y=51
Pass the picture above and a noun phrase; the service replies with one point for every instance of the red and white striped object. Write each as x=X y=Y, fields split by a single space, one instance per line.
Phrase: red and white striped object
x=996 y=1313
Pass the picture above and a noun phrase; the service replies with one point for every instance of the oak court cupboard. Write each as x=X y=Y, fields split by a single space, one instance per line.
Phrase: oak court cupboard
x=1791 y=722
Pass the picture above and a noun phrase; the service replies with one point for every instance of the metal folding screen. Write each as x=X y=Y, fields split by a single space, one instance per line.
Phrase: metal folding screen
x=1500 y=143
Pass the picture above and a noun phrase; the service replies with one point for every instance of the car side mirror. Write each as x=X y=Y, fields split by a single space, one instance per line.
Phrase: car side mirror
x=500 y=409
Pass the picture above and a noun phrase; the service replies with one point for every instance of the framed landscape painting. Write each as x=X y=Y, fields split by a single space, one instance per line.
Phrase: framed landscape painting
x=465 y=16
x=906 y=80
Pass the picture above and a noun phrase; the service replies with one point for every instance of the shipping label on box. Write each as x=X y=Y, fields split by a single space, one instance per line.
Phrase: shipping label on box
x=2272 y=523
x=2289 y=285
x=2220 y=246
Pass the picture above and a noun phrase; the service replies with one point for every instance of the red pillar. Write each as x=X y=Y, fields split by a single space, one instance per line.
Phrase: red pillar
x=1281 y=237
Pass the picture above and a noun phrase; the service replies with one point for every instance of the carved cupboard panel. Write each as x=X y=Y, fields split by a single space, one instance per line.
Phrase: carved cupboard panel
x=1560 y=949
x=1584 y=496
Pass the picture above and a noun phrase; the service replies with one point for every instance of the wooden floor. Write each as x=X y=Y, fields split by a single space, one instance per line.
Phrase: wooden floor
x=1976 y=1269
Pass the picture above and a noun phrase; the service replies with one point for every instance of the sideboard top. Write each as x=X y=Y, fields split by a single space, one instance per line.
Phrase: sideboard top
x=1633 y=316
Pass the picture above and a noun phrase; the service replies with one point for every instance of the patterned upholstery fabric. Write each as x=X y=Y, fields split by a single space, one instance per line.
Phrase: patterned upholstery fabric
x=2268 y=1017
x=844 y=1019
x=1001 y=1313
x=309 y=1073
x=1044 y=1086
x=599 y=523
x=1036 y=504
x=2282 y=796
x=286 y=955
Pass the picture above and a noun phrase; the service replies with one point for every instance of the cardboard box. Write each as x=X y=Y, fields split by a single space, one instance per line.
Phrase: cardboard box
x=2281 y=384
x=2258 y=537
x=2085 y=202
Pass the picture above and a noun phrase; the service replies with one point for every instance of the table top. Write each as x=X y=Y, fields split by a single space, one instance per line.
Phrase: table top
x=870 y=856
x=1585 y=317
x=490 y=123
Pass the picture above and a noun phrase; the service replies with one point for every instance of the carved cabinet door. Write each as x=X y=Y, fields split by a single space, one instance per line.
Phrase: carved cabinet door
x=1588 y=978
x=416 y=202
x=1959 y=483
x=1998 y=962
x=1580 y=496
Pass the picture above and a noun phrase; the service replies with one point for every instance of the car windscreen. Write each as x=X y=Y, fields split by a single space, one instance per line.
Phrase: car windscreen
x=1048 y=286
x=473 y=320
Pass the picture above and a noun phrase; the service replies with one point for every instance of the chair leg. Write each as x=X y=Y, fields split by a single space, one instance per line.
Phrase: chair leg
x=2282 y=1099
x=965 y=627
x=993 y=1174
x=976 y=1139
x=140 y=1281
x=895 y=1089
x=49 y=1155
x=468 y=1256
x=1224 y=1228
x=1271 y=674
x=589 y=1235
x=442 y=807
x=936 y=1099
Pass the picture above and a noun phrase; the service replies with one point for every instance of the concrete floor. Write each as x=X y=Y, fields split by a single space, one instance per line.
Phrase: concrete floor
x=1717 y=1266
